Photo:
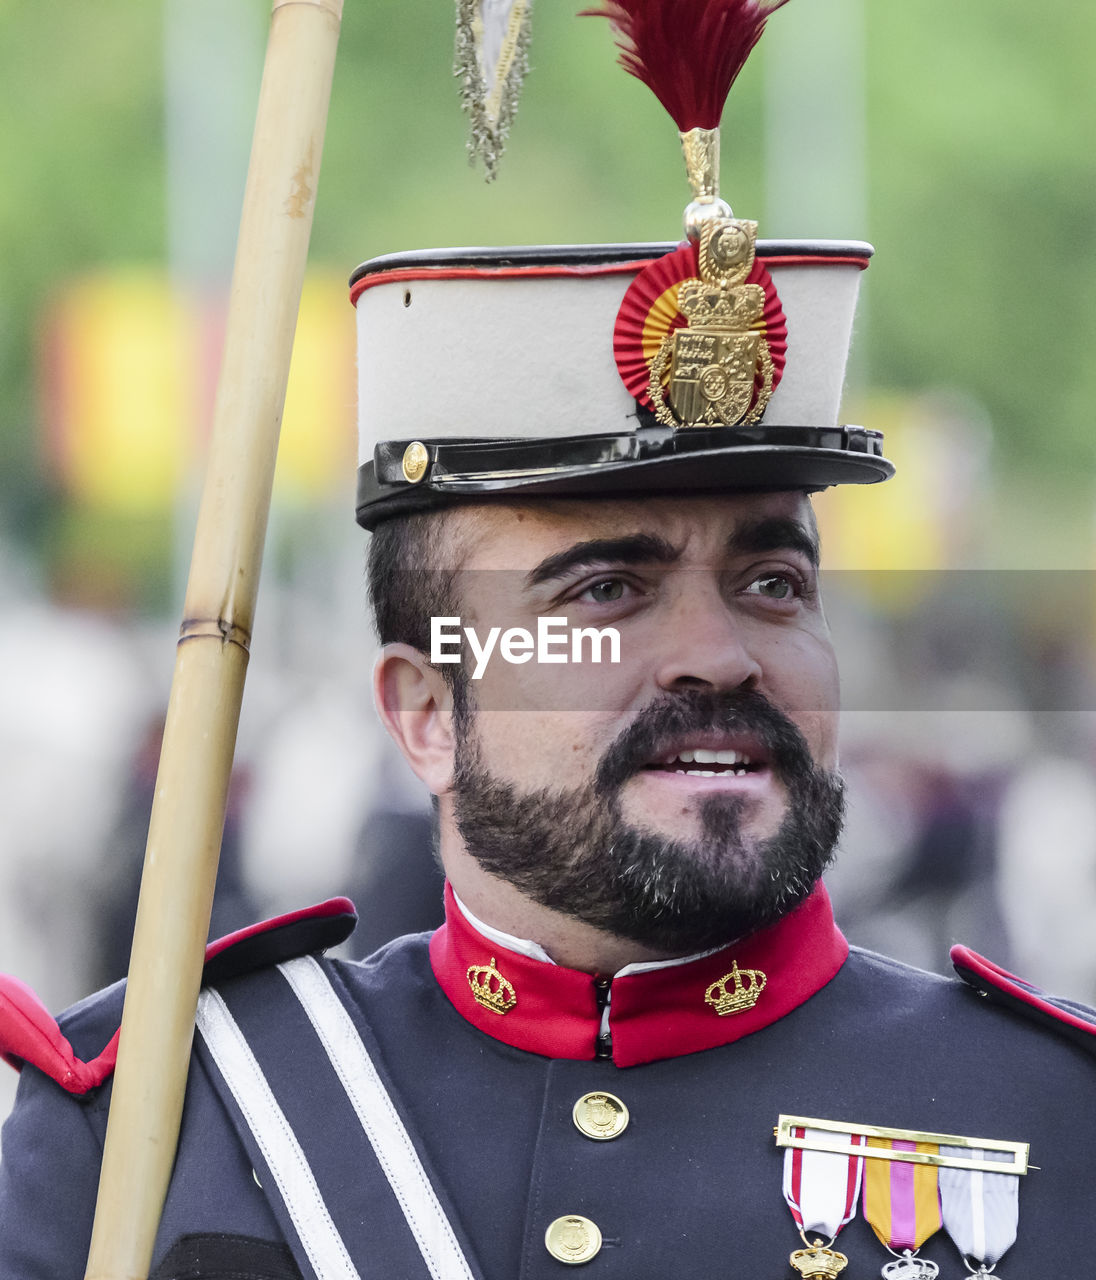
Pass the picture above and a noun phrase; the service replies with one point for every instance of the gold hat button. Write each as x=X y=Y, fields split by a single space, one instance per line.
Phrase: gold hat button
x=600 y=1116
x=573 y=1239
x=415 y=461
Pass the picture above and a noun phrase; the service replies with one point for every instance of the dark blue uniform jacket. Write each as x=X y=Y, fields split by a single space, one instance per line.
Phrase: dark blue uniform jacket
x=691 y=1190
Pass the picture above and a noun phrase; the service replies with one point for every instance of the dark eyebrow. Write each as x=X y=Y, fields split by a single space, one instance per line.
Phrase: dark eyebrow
x=774 y=533
x=637 y=548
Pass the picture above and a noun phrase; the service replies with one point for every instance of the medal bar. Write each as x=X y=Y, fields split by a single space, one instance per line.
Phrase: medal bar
x=785 y=1138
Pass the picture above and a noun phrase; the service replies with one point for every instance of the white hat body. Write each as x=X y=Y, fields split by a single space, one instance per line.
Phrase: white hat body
x=447 y=350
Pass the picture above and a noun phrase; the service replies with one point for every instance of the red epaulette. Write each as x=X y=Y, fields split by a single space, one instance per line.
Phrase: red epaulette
x=29 y=1033
x=1066 y=1017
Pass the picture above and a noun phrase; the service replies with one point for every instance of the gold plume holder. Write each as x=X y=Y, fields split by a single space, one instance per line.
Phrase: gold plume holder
x=700 y=148
x=841 y=1145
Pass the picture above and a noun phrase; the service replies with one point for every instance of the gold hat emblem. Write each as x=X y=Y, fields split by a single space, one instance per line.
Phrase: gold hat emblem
x=490 y=988
x=736 y=991
x=720 y=368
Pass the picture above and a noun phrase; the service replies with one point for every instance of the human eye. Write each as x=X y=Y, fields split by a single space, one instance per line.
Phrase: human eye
x=784 y=586
x=605 y=593
x=606 y=590
x=773 y=586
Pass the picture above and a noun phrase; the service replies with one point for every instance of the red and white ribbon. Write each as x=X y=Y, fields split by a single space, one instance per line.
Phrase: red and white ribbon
x=822 y=1187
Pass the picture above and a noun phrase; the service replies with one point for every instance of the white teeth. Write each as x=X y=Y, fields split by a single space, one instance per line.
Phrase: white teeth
x=703 y=756
x=740 y=772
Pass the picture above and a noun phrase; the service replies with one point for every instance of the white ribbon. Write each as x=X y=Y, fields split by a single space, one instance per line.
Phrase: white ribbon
x=980 y=1210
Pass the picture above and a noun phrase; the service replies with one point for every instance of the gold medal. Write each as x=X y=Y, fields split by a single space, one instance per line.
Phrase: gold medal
x=821 y=1190
x=948 y=1179
x=817 y=1262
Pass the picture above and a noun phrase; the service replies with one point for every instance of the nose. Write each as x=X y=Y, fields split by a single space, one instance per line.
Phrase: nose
x=704 y=645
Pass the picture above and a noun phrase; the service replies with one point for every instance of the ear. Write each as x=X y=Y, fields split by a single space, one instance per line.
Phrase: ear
x=416 y=707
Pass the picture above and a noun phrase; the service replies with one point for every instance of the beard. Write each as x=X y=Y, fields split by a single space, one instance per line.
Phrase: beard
x=572 y=851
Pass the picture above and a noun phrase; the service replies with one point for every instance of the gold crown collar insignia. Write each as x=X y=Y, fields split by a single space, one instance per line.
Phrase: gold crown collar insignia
x=736 y=991
x=490 y=988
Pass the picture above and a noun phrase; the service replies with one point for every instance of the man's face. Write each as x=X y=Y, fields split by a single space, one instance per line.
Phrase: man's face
x=686 y=794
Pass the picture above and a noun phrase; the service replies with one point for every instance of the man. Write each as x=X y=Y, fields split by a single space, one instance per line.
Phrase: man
x=582 y=814
x=640 y=974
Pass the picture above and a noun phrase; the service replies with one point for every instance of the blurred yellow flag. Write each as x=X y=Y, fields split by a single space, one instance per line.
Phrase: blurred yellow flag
x=129 y=369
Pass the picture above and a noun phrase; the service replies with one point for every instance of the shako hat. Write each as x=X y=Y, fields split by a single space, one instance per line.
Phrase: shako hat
x=712 y=365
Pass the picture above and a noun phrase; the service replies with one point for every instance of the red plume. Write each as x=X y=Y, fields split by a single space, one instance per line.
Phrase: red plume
x=688 y=52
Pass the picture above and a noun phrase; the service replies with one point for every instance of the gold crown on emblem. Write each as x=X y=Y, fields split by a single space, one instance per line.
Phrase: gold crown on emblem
x=746 y=985
x=718 y=306
x=490 y=988
x=721 y=296
x=818 y=1263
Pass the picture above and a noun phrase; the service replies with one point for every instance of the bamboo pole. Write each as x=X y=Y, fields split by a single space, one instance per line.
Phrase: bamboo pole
x=203 y=712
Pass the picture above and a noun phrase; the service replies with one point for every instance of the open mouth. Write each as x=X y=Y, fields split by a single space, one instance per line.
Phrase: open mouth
x=706 y=762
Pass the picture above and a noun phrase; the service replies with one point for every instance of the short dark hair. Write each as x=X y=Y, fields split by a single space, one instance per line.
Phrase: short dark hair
x=407 y=586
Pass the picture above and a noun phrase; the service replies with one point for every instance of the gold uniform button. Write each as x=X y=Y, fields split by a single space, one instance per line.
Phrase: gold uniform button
x=415 y=462
x=600 y=1116
x=573 y=1239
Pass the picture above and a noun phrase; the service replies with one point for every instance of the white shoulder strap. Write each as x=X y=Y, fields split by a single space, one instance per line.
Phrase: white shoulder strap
x=278 y=1143
x=380 y=1122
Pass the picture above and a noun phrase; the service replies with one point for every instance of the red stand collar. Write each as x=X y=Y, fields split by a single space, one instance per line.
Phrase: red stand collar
x=662 y=1013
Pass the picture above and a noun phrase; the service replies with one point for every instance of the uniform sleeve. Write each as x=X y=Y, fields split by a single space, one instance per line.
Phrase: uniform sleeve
x=50 y=1152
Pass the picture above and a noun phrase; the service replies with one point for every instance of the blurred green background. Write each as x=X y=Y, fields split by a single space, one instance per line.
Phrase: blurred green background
x=954 y=136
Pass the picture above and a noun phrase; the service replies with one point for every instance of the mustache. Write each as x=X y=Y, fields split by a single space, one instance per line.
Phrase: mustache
x=664 y=721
